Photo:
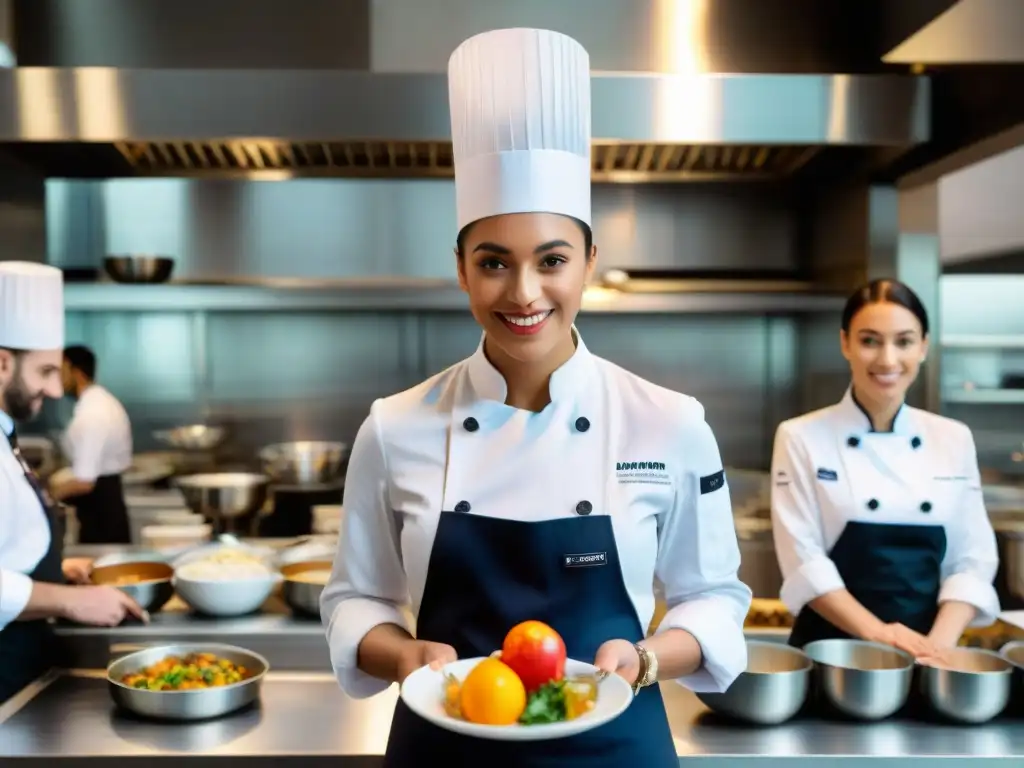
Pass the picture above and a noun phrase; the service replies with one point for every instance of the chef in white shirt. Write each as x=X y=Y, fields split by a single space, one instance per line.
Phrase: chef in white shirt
x=32 y=582
x=879 y=523
x=534 y=480
x=98 y=443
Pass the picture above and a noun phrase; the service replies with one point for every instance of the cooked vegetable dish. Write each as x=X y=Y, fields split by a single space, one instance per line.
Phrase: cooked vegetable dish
x=195 y=671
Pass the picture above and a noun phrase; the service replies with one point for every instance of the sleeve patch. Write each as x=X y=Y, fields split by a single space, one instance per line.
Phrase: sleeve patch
x=712 y=483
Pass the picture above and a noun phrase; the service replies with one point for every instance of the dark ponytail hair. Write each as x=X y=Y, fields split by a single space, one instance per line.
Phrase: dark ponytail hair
x=885 y=291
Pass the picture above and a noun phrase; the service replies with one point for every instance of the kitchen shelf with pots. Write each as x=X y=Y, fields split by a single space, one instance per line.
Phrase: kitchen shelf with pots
x=426 y=295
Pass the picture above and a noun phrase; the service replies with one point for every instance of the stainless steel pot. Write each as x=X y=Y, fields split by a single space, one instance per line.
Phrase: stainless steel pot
x=868 y=681
x=199 y=704
x=304 y=462
x=303 y=596
x=153 y=589
x=972 y=686
x=139 y=269
x=227 y=499
x=193 y=437
x=771 y=690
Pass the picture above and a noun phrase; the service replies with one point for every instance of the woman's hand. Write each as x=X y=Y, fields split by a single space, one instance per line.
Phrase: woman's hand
x=420 y=653
x=620 y=657
x=906 y=639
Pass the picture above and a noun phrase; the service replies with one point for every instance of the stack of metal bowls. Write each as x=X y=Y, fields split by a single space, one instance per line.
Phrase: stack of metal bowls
x=867 y=681
x=771 y=690
x=971 y=685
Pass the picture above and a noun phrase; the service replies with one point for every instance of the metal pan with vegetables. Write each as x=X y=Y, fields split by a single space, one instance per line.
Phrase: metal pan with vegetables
x=518 y=693
x=187 y=681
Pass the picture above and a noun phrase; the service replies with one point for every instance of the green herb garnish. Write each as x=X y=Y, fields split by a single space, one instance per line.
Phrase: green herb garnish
x=545 y=705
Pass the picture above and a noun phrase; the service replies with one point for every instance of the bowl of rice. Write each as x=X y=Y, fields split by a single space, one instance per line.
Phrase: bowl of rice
x=226 y=582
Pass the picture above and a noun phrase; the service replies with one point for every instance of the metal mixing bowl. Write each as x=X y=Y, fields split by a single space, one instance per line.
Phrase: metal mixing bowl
x=199 y=704
x=139 y=269
x=1013 y=652
x=152 y=591
x=771 y=690
x=194 y=437
x=224 y=497
x=303 y=596
x=304 y=462
x=971 y=686
x=868 y=681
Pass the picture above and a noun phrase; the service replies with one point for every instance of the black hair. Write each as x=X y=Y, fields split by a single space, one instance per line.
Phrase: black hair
x=588 y=237
x=82 y=359
x=888 y=292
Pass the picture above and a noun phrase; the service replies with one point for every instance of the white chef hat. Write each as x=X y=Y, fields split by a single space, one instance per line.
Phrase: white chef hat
x=520 y=113
x=31 y=306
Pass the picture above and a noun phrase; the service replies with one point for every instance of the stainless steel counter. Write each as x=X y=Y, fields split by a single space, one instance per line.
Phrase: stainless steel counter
x=306 y=719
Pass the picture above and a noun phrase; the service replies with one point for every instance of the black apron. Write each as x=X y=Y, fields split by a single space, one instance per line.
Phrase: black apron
x=28 y=649
x=893 y=570
x=485 y=576
x=102 y=514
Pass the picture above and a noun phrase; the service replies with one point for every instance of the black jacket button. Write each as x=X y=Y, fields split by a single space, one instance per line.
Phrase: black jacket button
x=915 y=443
x=926 y=506
x=471 y=424
x=853 y=442
x=584 y=508
x=582 y=424
x=462 y=506
x=873 y=504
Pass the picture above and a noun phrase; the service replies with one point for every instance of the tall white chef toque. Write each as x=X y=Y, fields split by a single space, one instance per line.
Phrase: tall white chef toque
x=520 y=114
x=31 y=306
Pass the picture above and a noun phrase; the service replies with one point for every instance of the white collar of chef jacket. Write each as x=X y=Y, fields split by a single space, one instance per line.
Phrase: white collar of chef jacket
x=566 y=383
x=856 y=420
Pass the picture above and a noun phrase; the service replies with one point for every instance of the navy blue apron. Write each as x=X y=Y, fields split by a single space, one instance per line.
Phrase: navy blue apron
x=28 y=649
x=485 y=576
x=893 y=570
x=102 y=513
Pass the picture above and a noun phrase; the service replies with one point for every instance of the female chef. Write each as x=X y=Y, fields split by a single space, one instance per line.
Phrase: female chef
x=472 y=497
x=877 y=510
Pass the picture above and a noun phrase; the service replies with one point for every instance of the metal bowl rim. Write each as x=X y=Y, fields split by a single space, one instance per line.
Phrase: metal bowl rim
x=906 y=657
x=979 y=672
x=255 y=480
x=209 y=648
x=807 y=663
x=272 y=578
x=1011 y=644
x=332 y=444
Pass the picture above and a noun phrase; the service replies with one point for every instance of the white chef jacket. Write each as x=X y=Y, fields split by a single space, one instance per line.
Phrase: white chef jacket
x=98 y=440
x=644 y=461
x=923 y=472
x=24 y=530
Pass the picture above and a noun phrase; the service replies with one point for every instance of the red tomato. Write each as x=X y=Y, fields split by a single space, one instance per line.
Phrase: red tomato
x=535 y=652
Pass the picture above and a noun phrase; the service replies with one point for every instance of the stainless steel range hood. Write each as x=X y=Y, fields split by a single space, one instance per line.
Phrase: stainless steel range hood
x=647 y=127
x=971 y=32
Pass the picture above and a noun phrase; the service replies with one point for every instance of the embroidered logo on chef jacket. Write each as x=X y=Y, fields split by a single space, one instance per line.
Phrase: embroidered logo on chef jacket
x=648 y=472
x=827 y=474
x=588 y=560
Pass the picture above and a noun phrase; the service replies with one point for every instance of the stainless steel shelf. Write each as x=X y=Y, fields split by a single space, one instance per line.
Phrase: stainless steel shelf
x=412 y=296
x=985 y=396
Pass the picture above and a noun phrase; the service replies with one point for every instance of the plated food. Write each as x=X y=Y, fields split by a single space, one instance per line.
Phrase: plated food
x=529 y=690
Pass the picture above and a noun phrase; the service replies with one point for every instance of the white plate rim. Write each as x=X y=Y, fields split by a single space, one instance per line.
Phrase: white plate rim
x=543 y=732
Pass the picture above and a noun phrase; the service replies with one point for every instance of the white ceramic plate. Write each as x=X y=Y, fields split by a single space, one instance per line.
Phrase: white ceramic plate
x=423 y=693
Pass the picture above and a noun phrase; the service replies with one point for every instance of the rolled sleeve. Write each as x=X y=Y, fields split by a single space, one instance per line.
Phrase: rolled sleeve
x=367 y=586
x=698 y=564
x=972 y=554
x=797 y=531
x=15 y=592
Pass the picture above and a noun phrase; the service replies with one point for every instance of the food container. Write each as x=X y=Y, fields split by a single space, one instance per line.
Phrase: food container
x=226 y=583
x=772 y=689
x=867 y=681
x=972 y=685
x=130 y=556
x=174 y=538
x=147 y=583
x=199 y=704
x=304 y=583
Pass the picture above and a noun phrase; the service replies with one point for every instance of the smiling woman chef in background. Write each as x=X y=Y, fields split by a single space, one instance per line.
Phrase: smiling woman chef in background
x=877 y=511
x=98 y=443
x=468 y=495
x=32 y=585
